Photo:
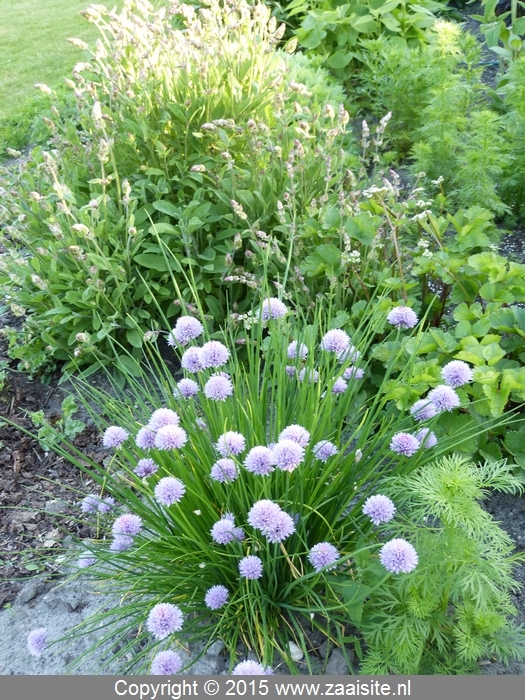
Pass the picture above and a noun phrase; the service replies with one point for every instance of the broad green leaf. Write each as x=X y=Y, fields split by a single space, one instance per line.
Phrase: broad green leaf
x=134 y=337
x=153 y=262
x=167 y=208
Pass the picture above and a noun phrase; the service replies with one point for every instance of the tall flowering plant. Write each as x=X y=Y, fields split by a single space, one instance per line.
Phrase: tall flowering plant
x=240 y=496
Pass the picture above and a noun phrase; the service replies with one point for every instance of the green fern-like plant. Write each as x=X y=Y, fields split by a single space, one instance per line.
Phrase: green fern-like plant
x=455 y=608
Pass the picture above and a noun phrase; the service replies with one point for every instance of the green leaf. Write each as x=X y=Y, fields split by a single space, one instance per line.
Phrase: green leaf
x=153 y=262
x=515 y=441
x=129 y=366
x=340 y=59
x=329 y=254
x=167 y=208
x=134 y=337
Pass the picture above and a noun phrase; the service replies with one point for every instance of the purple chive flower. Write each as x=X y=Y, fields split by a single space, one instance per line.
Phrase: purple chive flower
x=353 y=373
x=145 y=467
x=121 y=543
x=309 y=375
x=398 y=556
x=423 y=409
x=351 y=354
x=164 y=619
x=145 y=439
x=426 y=437
x=106 y=505
x=287 y=455
x=251 y=567
x=230 y=443
x=89 y=504
x=162 y=417
x=297 y=350
x=444 y=398
x=166 y=663
x=216 y=597
x=224 y=470
x=290 y=370
x=324 y=450
x=114 y=436
x=127 y=524
x=296 y=433
x=379 y=509
x=187 y=328
x=170 y=437
x=218 y=388
x=191 y=360
x=402 y=317
x=169 y=490
x=213 y=354
x=322 y=555
x=336 y=341
x=262 y=514
x=280 y=528
x=456 y=373
x=340 y=386
x=251 y=668
x=186 y=389
x=404 y=444
x=85 y=560
x=36 y=641
x=273 y=309
x=224 y=531
x=259 y=460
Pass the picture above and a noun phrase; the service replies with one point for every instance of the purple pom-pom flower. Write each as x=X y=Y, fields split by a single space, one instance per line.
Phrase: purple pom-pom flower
x=224 y=531
x=191 y=360
x=230 y=443
x=114 y=436
x=456 y=373
x=169 y=490
x=423 y=409
x=186 y=389
x=287 y=455
x=187 y=328
x=145 y=438
x=170 y=437
x=121 y=543
x=340 y=386
x=404 y=444
x=402 y=317
x=259 y=460
x=296 y=433
x=379 y=509
x=353 y=373
x=145 y=468
x=336 y=341
x=166 y=663
x=324 y=450
x=273 y=309
x=213 y=354
x=251 y=567
x=297 y=350
x=164 y=619
x=322 y=555
x=90 y=504
x=224 y=470
x=216 y=597
x=398 y=556
x=251 y=668
x=444 y=398
x=128 y=524
x=218 y=388
x=426 y=437
x=36 y=641
x=162 y=417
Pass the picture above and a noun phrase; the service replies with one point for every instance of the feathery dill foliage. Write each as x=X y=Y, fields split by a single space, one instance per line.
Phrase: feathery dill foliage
x=455 y=607
x=264 y=492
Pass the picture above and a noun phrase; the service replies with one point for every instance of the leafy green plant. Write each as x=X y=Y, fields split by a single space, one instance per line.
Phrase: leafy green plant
x=180 y=474
x=504 y=38
x=166 y=156
x=50 y=434
x=455 y=607
x=335 y=30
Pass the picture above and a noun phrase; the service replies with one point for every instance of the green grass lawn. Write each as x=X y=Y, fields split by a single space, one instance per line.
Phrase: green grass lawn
x=33 y=37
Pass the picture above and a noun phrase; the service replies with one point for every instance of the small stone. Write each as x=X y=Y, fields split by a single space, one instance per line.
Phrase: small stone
x=215 y=648
x=28 y=592
x=56 y=507
x=295 y=652
x=323 y=649
x=337 y=665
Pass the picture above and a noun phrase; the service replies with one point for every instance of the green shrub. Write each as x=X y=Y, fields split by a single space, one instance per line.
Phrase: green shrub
x=182 y=148
x=454 y=608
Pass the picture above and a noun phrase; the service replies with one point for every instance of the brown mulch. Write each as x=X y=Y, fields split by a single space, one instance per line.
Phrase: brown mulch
x=39 y=491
